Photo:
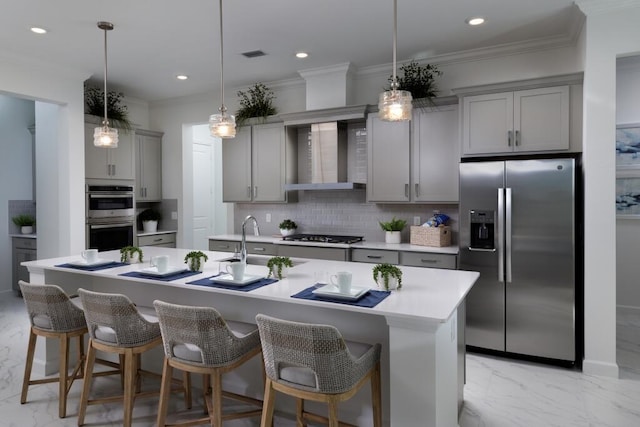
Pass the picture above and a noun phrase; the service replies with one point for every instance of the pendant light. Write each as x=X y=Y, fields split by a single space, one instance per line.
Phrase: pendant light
x=104 y=136
x=222 y=125
x=395 y=105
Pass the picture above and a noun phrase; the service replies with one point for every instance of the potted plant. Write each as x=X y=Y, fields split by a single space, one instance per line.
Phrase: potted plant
x=278 y=266
x=392 y=229
x=117 y=113
x=194 y=260
x=420 y=81
x=150 y=218
x=25 y=222
x=131 y=254
x=387 y=276
x=287 y=227
x=257 y=101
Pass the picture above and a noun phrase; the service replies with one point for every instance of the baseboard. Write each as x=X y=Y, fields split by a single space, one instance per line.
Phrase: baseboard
x=601 y=369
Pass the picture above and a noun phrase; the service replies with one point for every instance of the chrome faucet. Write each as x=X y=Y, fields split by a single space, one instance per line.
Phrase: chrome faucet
x=256 y=231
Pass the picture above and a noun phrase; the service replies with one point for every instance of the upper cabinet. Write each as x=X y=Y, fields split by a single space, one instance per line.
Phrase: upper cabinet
x=148 y=152
x=257 y=163
x=520 y=121
x=414 y=161
x=109 y=163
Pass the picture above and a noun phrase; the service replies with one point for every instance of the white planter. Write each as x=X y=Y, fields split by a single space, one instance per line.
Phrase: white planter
x=132 y=259
x=26 y=229
x=392 y=236
x=393 y=283
x=287 y=232
x=150 y=226
x=191 y=266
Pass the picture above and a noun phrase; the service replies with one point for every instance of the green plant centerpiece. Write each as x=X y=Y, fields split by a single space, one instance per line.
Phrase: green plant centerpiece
x=149 y=218
x=277 y=266
x=117 y=113
x=392 y=229
x=420 y=81
x=387 y=276
x=287 y=227
x=25 y=222
x=257 y=101
x=194 y=260
x=131 y=254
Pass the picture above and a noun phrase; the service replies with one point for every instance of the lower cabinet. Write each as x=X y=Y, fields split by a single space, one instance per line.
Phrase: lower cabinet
x=24 y=249
x=314 y=252
x=427 y=259
x=256 y=248
x=166 y=240
x=376 y=256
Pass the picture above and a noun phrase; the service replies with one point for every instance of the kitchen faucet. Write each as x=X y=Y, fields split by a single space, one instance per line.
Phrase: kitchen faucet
x=256 y=231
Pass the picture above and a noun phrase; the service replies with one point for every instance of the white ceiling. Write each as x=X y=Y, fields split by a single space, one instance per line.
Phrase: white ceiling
x=154 y=40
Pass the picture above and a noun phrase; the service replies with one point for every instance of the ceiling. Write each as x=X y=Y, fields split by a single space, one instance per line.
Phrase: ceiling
x=154 y=40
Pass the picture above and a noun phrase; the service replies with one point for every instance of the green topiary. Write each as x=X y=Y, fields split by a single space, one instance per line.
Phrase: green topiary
x=393 y=225
x=257 y=101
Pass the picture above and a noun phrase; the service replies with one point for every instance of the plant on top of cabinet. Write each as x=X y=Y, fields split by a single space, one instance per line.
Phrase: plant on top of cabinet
x=392 y=229
x=131 y=254
x=257 y=101
x=280 y=263
x=194 y=260
x=287 y=227
x=387 y=276
x=150 y=218
x=419 y=80
x=117 y=113
x=25 y=222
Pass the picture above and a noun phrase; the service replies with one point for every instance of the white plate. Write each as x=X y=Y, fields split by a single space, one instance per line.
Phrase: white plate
x=84 y=263
x=227 y=279
x=153 y=271
x=332 y=291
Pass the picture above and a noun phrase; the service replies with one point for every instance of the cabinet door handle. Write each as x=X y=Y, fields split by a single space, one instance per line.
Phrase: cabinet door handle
x=509 y=136
x=145 y=191
x=429 y=261
x=248 y=191
x=406 y=190
x=255 y=192
x=417 y=190
x=517 y=140
x=259 y=249
x=114 y=169
x=109 y=170
x=374 y=256
x=157 y=240
x=223 y=247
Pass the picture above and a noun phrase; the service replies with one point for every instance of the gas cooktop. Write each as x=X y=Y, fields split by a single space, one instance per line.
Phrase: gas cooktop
x=323 y=238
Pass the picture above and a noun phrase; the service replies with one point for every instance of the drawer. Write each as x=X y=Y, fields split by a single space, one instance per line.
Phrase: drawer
x=256 y=248
x=25 y=243
x=376 y=256
x=224 y=245
x=157 y=240
x=314 y=252
x=261 y=248
x=426 y=259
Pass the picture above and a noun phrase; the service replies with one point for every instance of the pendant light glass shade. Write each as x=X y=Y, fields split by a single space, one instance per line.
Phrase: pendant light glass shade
x=395 y=105
x=222 y=125
x=104 y=136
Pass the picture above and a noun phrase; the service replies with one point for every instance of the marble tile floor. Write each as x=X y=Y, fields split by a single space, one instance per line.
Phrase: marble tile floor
x=499 y=392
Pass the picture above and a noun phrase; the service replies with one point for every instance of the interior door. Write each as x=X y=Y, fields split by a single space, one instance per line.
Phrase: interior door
x=202 y=194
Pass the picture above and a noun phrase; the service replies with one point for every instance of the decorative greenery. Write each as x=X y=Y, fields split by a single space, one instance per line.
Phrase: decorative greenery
x=418 y=79
x=117 y=113
x=24 y=220
x=393 y=225
x=288 y=224
x=193 y=259
x=257 y=101
x=128 y=252
x=280 y=262
x=150 y=215
x=385 y=271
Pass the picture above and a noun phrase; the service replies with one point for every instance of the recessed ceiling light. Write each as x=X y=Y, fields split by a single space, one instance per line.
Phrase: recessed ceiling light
x=182 y=77
x=38 y=30
x=477 y=20
x=302 y=55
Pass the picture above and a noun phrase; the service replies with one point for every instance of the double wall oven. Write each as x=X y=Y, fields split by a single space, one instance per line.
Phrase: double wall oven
x=110 y=216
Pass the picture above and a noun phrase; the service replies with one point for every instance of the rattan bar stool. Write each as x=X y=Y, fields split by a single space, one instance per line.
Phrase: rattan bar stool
x=199 y=340
x=116 y=326
x=314 y=362
x=53 y=314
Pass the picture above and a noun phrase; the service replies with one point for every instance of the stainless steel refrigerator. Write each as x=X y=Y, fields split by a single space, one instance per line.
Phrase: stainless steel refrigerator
x=520 y=228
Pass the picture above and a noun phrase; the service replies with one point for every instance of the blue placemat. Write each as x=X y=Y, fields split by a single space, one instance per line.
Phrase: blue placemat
x=371 y=299
x=180 y=275
x=93 y=267
x=251 y=286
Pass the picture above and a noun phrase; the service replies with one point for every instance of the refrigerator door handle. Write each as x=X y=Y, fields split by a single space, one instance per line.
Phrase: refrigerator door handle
x=500 y=244
x=481 y=249
x=508 y=229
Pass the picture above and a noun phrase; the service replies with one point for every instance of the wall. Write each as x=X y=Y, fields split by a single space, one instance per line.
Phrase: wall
x=16 y=150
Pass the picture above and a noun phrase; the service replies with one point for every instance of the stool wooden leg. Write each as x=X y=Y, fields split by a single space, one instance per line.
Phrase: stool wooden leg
x=86 y=386
x=28 y=365
x=267 y=405
x=63 y=375
x=216 y=395
x=165 y=389
x=186 y=383
x=299 y=412
x=81 y=355
x=129 y=385
x=206 y=384
x=376 y=397
x=333 y=413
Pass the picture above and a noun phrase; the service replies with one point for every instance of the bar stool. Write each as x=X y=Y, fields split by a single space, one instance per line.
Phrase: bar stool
x=116 y=326
x=199 y=340
x=314 y=362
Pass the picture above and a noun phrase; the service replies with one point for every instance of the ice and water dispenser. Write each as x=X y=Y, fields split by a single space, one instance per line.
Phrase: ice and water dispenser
x=482 y=229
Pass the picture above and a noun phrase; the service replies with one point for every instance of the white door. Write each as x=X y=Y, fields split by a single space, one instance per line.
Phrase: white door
x=202 y=193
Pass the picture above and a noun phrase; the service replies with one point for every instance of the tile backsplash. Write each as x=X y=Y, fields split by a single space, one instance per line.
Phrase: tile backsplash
x=17 y=207
x=340 y=212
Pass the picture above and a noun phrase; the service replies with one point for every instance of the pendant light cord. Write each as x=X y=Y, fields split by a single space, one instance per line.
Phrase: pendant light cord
x=222 y=107
x=106 y=121
x=395 y=36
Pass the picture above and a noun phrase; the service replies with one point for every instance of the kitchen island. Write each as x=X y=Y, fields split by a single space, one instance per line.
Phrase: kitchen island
x=417 y=326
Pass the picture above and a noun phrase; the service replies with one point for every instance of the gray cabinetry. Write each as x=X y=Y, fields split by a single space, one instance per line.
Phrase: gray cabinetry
x=375 y=256
x=166 y=240
x=257 y=248
x=520 y=121
x=148 y=165
x=314 y=252
x=109 y=163
x=428 y=259
x=24 y=249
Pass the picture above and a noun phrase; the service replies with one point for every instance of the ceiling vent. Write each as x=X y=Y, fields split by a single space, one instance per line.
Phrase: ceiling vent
x=253 y=54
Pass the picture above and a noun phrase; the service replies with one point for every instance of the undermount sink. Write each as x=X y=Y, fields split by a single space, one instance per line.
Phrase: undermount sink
x=253 y=260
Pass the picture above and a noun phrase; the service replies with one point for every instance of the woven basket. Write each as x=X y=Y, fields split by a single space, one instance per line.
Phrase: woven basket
x=431 y=236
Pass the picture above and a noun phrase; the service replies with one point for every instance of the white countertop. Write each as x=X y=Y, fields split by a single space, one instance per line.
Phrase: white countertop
x=277 y=240
x=155 y=233
x=426 y=294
